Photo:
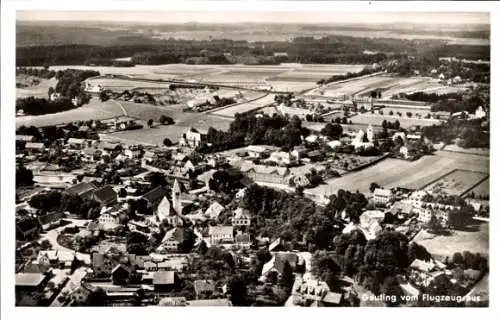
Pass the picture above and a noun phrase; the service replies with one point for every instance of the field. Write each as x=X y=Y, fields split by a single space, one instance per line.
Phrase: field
x=390 y=173
x=95 y=110
x=245 y=107
x=117 y=84
x=483 y=188
x=474 y=240
x=376 y=119
x=157 y=134
x=38 y=91
x=293 y=111
x=389 y=86
x=457 y=182
x=477 y=151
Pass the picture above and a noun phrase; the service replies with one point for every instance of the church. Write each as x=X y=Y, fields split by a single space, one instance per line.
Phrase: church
x=171 y=210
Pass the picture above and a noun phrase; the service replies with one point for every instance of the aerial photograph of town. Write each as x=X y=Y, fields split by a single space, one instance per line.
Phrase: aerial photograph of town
x=180 y=159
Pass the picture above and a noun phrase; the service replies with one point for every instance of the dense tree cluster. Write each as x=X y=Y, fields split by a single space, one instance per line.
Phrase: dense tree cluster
x=24 y=176
x=69 y=81
x=38 y=106
x=467 y=133
x=248 y=129
x=333 y=131
x=54 y=200
x=36 y=72
x=227 y=181
x=348 y=75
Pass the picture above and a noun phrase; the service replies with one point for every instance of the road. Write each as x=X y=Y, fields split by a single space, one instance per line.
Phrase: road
x=51 y=236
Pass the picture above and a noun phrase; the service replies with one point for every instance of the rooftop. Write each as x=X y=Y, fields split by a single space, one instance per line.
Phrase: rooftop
x=29 y=279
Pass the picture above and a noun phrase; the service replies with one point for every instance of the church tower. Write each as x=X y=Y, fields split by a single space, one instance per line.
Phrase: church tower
x=176 y=197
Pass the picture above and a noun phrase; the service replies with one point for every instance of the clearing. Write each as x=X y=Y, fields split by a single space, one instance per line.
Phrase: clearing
x=95 y=110
x=475 y=240
x=457 y=182
x=27 y=86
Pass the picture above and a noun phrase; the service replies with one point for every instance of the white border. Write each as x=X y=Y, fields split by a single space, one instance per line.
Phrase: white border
x=8 y=14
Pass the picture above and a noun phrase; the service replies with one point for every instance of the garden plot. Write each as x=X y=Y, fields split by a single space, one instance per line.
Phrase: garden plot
x=457 y=182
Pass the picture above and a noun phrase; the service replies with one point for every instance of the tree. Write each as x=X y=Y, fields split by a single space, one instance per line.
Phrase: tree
x=374 y=186
x=122 y=193
x=51 y=91
x=458 y=259
x=150 y=122
x=237 y=288
x=103 y=96
x=391 y=288
x=167 y=142
x=97 y=297
x=391 y=113
x=45 y=245
x=333 y=131
x=24 y=177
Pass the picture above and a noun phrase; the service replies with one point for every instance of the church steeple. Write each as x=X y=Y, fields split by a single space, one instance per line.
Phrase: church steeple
x=176 y=194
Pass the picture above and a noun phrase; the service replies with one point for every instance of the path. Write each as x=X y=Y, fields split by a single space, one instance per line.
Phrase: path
x=125 y=113
x=51 y=236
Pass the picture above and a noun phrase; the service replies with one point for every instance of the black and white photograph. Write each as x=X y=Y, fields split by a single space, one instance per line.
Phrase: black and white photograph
x=249 y=158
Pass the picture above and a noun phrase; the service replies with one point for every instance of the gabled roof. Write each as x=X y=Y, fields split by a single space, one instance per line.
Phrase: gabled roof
x=50 y=217
x=227 y=230
x=204 y=286
x=105 y=194
x=210 y=303
x=332 y=297
x=34 y=145
x=155 y=194
x=382 y=192
x=29 y=279
x=81 y=188
x=241 y=213
x=25 y=225
x=76 y=141
x=121 y=266
x=214 y=210
x=164 y=277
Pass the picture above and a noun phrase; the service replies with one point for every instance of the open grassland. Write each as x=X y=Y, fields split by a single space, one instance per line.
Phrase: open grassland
x=457 y=182
x=38 y=91
x=95 y=110
x=406 y=122
x=245 y=107
x=475 y=239
x=158 y=133
x=400 y=173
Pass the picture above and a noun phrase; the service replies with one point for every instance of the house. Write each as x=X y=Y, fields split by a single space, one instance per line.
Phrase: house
x=276 y=245
x=121 y=274
x=315 y=155
x=55 y=96
x=75 y=143
x=258 y=152
x=164 y=280
x=280 y=54
x=279 y=262
x=368 y=217
x=300 y=151
x=27 y=228
x=283 y=158
x=106 y=196
x=84 y=190
x=102 y=264
x=171 y=211
x=34 y=146
x=480 y=113
x=138 y=226
x=209 y=303
x=79 y=295
x=241 y=217
x=382 y=196
x=154 y=197
x=204 y=288
x=173 y=240
x=242 y=239
x=50 y=220
x=334 y=144
x=260 y=173
x=173 y=302
x=76 y=101
x=189 y=166
x=24 y=138
x=220 y=234
x=316 y=291
x=423 y=266
x=192 y=138
x=214 y=210
x=442 y=115
x=28 y=283
x=108 y=221
x=216 y=161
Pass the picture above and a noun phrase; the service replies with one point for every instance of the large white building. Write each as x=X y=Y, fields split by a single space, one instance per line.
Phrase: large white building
x=382 y=196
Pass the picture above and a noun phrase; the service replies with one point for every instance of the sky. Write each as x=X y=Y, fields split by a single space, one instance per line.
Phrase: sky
x=263 y=16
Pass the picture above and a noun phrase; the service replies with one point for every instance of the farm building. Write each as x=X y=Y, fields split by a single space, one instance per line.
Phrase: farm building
x=267 y=174
x=382 y=196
